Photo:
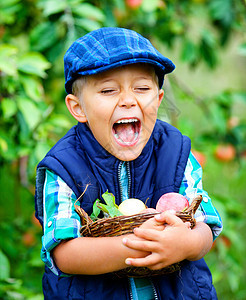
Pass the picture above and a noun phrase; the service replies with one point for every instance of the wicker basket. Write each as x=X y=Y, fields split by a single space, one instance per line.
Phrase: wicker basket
x=121 y=225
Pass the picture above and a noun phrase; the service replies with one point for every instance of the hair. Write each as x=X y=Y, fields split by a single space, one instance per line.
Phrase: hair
x=80 y=82
x=78 y=85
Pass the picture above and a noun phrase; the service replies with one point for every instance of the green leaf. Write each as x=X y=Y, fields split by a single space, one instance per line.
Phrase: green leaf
x=8 y=10
x=113 y=211
x=43 y=36
x=9 y=108
x=7 y=146
x=208 y=48
x=110 y=207
x=189 y=51
x=8 y=59
x=218 y=118
x=33 y=63
x=30 y=112
x=222 y=10
x=3 y=145
x=60 y=121
x=109 y=198
x=176 y=27
x=87 y=24
x=74 y=2
x=88 y=11
x=96 y=210
x=4 y=266
x=103 y=207
x=150 y=6
x=32 y=87
x=8 y=3
x=52 y=7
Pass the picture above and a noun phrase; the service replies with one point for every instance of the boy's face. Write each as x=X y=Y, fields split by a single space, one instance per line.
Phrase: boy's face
x=120 y=107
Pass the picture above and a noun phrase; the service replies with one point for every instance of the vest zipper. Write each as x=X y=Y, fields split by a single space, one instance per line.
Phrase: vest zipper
x=130 y=290
x=120 y=184
x=129 y=178
x=154 y=290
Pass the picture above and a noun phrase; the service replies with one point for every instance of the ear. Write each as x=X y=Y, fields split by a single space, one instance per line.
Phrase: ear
x=160 y=97
x=75 y=108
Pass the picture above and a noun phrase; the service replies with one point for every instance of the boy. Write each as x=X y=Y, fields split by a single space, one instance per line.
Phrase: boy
x=113 y=77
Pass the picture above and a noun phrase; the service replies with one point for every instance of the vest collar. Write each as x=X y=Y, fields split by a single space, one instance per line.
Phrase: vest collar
x=101 y=156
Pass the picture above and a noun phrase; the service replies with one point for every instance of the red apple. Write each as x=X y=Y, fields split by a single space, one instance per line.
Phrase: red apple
x=28 y=238
x=172 y=201
x=134 y=3
x=225 y=152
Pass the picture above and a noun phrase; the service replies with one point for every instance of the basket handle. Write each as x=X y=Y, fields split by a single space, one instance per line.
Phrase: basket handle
x=194 y=205
x=84 y=217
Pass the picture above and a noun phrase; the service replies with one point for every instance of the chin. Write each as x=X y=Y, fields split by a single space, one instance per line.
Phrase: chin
x=127 y=155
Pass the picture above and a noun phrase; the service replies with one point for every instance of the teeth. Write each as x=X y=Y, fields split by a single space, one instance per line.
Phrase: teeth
x=127 y=121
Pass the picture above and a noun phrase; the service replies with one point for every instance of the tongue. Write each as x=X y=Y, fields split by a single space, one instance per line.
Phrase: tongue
x=125 y=132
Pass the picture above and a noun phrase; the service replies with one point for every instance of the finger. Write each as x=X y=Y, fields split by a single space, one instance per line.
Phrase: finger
x=146 y=246
x=148 y=261
x=148 y=234
x=168 y=218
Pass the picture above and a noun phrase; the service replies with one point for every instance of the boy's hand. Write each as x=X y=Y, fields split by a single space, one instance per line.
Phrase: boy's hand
x=171 y=242
x=158 y=223
x=152 y=223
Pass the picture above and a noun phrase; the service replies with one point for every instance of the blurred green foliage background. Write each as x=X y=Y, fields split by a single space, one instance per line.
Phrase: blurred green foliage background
x=205 y=98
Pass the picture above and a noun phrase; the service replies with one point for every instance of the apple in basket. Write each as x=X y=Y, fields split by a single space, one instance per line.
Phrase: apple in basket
x=131 y=206
x=169 y=201
x=172 y=201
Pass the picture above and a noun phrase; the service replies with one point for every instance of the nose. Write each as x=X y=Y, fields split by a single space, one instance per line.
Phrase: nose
x=127 y=100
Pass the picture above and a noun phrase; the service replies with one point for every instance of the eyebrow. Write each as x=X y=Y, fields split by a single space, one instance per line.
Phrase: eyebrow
x=102 y=81
x=144 y=77
x=137 y=78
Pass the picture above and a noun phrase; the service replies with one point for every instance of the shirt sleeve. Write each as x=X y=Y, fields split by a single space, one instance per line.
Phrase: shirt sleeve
x=60 y=218
x=192 y=186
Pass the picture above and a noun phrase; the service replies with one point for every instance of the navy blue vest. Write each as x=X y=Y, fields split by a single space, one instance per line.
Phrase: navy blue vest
x=80 y=160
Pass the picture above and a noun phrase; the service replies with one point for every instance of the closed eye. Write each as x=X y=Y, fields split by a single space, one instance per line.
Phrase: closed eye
x=108 y=91
x=142 y=89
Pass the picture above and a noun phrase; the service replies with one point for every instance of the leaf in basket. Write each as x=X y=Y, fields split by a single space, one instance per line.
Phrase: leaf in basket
x=111 y=211
x=114 y=212
x=109 y=198
x=103 y=207
x=96 y=211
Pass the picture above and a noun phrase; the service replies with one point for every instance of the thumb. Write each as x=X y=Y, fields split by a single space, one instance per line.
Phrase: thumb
x=168 y=217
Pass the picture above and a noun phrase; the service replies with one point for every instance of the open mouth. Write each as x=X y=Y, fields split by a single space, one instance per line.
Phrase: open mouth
x=126 y=131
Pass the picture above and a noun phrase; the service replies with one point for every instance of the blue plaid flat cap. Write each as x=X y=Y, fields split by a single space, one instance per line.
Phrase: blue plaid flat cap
x=108 y=48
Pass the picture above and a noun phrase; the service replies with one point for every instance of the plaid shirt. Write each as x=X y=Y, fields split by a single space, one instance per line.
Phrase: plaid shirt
x=62 y=222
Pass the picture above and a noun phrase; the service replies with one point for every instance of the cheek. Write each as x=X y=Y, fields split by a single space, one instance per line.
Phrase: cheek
x=97 y=114
x=150 y=111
